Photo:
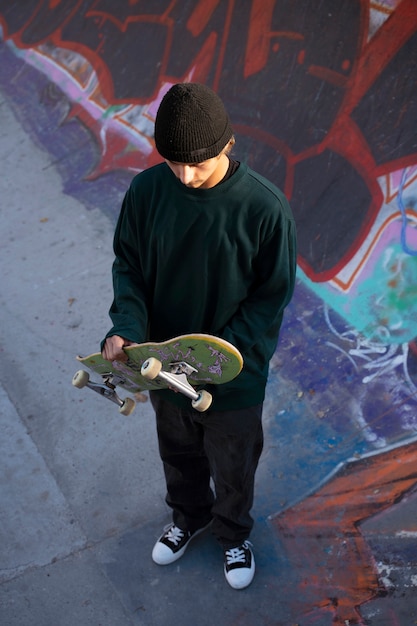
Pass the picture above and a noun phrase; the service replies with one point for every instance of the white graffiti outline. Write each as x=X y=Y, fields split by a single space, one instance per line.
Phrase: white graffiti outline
x=380 y=358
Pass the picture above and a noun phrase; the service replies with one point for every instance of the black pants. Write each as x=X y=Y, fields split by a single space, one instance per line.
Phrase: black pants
x=195 y=447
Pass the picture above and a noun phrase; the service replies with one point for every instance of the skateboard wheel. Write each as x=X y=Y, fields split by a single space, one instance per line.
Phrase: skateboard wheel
x=80 y=379
x=203 y=401
x=151 y=368
x=127 y=406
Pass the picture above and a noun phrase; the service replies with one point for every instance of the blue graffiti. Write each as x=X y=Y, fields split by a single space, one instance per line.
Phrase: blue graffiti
x=401 y=207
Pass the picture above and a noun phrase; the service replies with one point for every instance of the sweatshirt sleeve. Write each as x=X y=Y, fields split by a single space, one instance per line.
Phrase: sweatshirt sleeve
x=258 y=319
x=129 y=311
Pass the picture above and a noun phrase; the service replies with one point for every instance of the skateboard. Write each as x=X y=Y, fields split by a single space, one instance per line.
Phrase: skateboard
x=183 y=364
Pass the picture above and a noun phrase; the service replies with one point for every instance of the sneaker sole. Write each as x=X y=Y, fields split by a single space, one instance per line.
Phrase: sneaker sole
x=239 y=584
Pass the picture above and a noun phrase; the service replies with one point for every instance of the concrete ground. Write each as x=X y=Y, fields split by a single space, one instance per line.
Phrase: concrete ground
x=82 y=492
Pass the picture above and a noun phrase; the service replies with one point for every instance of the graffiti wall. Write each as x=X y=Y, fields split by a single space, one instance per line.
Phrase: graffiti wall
x=323 y=100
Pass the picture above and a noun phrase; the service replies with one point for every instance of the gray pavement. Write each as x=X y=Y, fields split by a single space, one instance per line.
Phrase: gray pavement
x=73 y=474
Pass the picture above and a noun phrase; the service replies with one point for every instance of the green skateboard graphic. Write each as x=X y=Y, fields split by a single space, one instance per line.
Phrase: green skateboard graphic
x=182 y=363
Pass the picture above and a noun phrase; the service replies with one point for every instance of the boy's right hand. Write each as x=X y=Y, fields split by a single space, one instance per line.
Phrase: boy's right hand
x=113 y=348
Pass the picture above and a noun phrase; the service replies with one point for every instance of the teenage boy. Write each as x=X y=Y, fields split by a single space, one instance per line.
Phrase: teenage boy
x=204 y=244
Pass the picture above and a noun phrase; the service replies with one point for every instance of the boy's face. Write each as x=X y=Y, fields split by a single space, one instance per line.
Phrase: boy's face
x=201 y=175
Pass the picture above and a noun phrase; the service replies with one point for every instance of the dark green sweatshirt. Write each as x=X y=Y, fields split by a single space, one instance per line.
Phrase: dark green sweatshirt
x=219 y=261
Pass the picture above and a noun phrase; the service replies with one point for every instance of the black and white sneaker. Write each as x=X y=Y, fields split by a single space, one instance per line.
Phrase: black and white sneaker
x=172 y=544
x=239 y=566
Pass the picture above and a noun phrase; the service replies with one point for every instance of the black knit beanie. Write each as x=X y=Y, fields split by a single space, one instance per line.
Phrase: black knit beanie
x=191 y=124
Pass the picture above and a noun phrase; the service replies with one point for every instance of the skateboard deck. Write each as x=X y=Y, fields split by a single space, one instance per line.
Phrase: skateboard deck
x=183 y=363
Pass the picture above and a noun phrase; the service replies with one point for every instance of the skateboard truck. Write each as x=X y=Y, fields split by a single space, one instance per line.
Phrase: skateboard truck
x=107 y=388
x=177 y=379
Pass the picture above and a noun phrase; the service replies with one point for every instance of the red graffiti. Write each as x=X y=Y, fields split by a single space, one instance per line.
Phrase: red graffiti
x=318 y=106
x=322 y=533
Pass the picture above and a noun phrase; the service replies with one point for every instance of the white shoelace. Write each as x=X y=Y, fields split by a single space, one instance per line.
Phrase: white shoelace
x=174 y=534
x=237 y=555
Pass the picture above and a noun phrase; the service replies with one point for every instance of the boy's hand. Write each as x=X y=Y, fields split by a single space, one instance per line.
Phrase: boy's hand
x=113 y=348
